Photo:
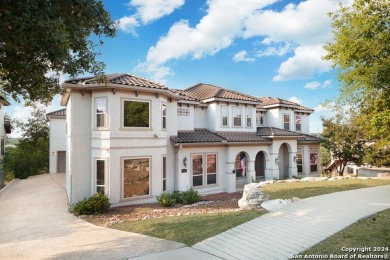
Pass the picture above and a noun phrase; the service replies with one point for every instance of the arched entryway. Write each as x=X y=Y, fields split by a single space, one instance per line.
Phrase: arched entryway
x=284 y=162
x=241 y=169
x=260 y=166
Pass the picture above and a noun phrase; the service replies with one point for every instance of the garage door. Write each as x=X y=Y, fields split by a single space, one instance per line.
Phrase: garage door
x=61 y=162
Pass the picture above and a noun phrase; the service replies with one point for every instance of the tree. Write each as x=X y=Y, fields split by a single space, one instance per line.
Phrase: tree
x=344 y=140
x=361 y=51
x=39 y=39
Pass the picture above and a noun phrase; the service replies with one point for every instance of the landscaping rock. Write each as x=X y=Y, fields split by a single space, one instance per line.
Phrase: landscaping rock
x=252 y=197
x=314 y=179
x=273 y=205
x=383 y=174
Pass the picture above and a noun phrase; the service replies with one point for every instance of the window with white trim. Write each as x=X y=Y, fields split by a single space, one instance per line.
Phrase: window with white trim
x=286 y=122
x=298 y=123
x=248 y=117
x=136 y=113
x=100 y=175
x=225 y=115
x=299 y=160
x=101 y=112
x=136 y=177
x=164 y=172
x=313 y=159
x=204 y=169
x=260 y=119
x=164 y=116
x=237 y=116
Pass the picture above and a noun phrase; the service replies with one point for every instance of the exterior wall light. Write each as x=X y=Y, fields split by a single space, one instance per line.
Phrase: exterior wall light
x=295 y=159
x=277 y=160
x=185 y=160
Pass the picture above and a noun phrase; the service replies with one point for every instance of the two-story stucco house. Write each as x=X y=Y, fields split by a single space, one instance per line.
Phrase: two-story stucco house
x=133 y=139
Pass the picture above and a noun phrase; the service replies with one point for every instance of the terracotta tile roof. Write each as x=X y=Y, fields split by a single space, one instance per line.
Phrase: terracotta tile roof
x=206 y=91
x=4 y=101
x=120 y=79
x=269 y=101
x=242 y=137
x=273 y=131
x=60 y=113
x=196 y=136
x=309 y=139
x=184 y=94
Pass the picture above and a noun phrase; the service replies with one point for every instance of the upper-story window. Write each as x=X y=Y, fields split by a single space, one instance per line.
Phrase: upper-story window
x=164 y=116
x=248 y=117
x=183 y=112
x=237 y=117
x=136 y=113
x=286 y=122
x=298 y=122
x=101 y=112
x=260 y=119
x=225 y=115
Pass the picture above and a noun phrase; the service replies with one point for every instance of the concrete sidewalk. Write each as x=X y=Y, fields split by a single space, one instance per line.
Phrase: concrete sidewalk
x=297 y=226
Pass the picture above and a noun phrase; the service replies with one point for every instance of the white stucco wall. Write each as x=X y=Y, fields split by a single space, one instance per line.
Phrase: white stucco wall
x=200 y=117
x=186 y=122
x=57 y=140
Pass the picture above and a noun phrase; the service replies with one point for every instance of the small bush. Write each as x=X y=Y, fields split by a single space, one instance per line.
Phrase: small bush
x=177 y=196
x=190 y=196
x=96 y=204
x=166 y=199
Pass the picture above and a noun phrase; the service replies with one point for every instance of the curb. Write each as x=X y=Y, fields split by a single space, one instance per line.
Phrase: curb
x=6 y=186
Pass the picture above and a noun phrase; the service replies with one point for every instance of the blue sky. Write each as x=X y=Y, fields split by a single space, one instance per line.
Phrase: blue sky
x=259 y=47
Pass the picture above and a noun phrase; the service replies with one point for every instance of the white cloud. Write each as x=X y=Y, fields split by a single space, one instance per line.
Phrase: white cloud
x=327 y=84
x=322 y=108
x=217 y=30
x=305 y=63
x=312 y=85
x=147 y=11
x=295 y=100
x=242 y=56
x=280 y=50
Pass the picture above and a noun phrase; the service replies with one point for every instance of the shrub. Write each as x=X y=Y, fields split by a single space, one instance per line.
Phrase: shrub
x=166 y=199
x=190 y=196
x=96 y=204
x=177 y=196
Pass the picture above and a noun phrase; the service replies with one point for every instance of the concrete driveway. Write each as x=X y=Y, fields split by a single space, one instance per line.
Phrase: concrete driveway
x=35 y=224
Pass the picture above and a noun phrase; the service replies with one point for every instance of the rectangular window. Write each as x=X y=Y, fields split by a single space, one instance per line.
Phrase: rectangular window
x=286 y=122
x=197 y=170
x=300 y=160
x=249 y=117
x=211 y=169
x=164 y=116
x=183 y=112
x=136 y=174
x=100 y=176
x=136 y=113
x=313 y=160
x=101 y=112
x=225 y=115
x=259 y=119
x=237 y=116
x=298 y=121
x=164 y=173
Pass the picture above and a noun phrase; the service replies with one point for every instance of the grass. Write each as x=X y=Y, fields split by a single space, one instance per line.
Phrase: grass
x=364 y=233
x=189 y=229
x=303 y=190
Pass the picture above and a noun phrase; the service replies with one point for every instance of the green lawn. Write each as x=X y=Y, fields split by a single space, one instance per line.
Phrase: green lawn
x=365 y=233
x=189 y=229
x=303 y=190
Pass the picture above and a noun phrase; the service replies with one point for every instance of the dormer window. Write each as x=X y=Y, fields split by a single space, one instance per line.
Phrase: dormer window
x=101 y=112
x=286 y=122
x=225 y=115
x=237 y=116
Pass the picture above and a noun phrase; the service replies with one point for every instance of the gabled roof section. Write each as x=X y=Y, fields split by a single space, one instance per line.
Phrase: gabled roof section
x=267 y=102
x=119 y=79
x=207 y=92
x=185 y=94
x=57 y=113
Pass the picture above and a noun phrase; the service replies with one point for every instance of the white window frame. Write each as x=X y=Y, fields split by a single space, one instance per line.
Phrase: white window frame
x=164 y=169
x=163 y=116
x=105 y=168
x=248 y=112
x=313 y=150
x=259 y=116
x=240 y=116
x=296 y=123
x=300 y=154
x=135 y=128
x=205 y=172
x=284 y=123
x=225 y=109
x=105 y=114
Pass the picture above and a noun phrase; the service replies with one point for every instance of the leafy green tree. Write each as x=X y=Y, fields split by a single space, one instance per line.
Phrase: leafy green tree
x=344 y=140
x=39 y=39
x=361 y=52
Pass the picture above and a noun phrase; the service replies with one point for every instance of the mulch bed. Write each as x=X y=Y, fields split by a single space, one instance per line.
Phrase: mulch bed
x=213 y=203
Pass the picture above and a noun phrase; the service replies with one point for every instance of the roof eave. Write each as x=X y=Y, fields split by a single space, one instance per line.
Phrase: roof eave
x=213 y=99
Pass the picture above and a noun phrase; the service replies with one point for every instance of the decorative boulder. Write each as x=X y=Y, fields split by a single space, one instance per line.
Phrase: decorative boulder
x=273 y=205
x=252 y=197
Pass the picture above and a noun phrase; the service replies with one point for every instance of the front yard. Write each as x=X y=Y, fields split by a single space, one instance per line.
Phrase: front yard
x=218 y=213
